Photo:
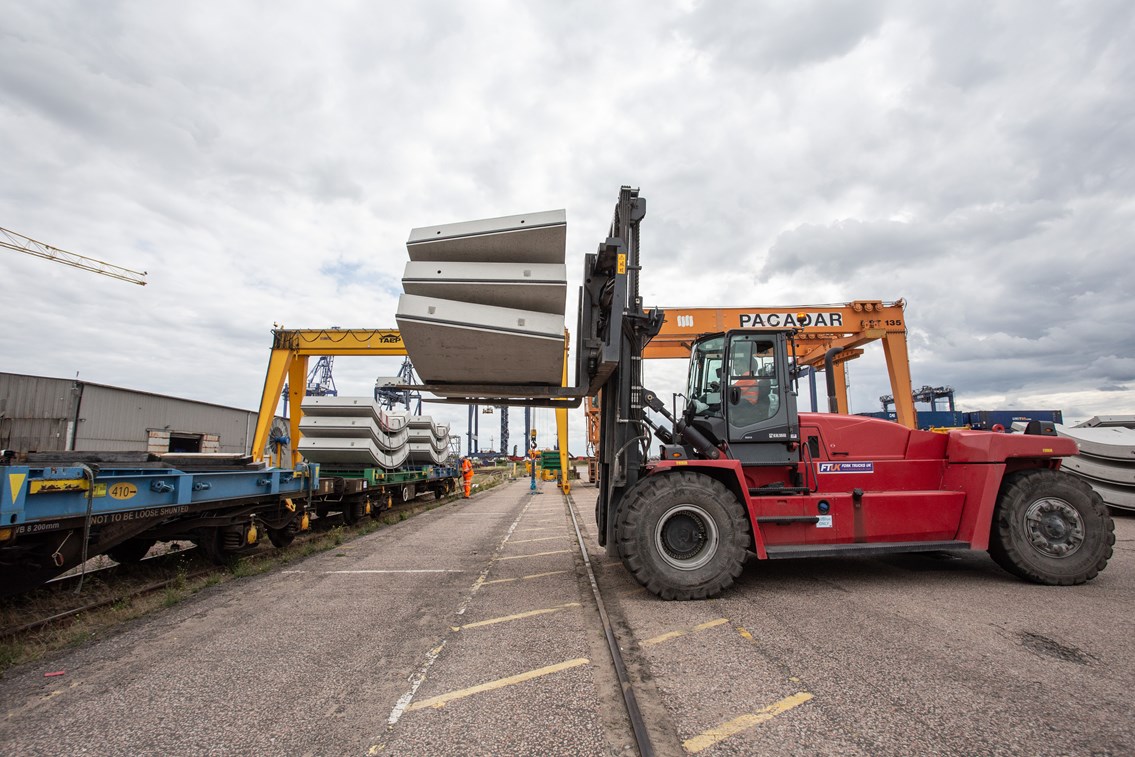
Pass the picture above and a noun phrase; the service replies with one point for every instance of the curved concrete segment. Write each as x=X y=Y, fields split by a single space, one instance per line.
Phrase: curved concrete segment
x=1121 y=497
x=354 y=428
x=358 y=431
x=526 y=238
x=425 y=453
x=1114 y=443
x=1106 y=460
x=436 y=435
x=354 y=407
x=525 y=286
x=1101 y=469
x=1126 y=421
x=362 y=452
x=466 y=343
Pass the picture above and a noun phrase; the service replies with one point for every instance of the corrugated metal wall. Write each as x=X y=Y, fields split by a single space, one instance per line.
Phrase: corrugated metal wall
x=40 y=414
x=36 y=413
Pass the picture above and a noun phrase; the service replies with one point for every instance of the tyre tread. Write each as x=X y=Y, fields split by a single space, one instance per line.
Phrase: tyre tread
x=1007 y=553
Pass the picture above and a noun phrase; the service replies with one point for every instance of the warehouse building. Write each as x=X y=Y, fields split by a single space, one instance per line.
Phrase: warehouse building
x=39 y=414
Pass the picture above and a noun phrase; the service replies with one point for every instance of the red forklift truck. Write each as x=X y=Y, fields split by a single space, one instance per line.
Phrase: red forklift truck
x=742 y=472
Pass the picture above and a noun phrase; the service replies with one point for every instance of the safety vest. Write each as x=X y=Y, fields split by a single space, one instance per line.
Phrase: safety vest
x=750 y=388
x=466 y=468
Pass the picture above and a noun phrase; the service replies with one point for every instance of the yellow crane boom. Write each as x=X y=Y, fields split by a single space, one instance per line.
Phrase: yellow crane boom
x=18 y=242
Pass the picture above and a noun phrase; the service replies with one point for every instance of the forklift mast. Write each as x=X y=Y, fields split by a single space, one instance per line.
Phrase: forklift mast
x=613 y=330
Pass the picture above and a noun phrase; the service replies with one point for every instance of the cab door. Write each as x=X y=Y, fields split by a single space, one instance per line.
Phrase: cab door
x=760 y=410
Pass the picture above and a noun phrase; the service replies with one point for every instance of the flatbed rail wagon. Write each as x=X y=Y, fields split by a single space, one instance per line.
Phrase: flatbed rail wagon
x=357 y=492
x=57 y=513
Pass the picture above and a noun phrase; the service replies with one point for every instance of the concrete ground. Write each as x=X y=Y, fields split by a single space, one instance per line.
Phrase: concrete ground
x=913 y=654
x=471 y=629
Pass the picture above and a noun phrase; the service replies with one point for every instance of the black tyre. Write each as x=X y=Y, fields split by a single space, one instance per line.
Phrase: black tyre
x=282 y=537
x=131 y=551
x=1051 y=528
x=682 y=535
x=353 y=511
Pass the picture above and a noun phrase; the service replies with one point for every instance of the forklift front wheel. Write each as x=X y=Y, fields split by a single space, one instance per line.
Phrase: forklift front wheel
x=683 y=535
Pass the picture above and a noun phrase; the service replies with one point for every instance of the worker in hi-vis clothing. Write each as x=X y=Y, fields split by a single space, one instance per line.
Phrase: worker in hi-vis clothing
x=467 y=474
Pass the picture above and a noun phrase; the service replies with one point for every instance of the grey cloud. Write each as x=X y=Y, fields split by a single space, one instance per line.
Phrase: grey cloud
x=771 y=35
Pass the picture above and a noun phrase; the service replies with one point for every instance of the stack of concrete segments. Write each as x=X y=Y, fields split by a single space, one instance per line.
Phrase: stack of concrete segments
x=484 y=301
x=358 y=431
x=1107 y=457
x=428 y=441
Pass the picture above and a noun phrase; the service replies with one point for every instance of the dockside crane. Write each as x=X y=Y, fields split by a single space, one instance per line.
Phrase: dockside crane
x=20 y=243
x=393 y=390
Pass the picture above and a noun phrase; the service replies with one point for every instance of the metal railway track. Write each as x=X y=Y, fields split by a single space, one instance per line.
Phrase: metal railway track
x=634 y=713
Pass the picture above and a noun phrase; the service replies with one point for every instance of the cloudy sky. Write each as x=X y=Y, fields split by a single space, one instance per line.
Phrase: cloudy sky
x=265 y=161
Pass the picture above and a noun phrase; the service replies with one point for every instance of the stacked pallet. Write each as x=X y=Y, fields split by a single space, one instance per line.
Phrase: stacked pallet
x=357 y=431
x=1107 y=457
x=484 y=301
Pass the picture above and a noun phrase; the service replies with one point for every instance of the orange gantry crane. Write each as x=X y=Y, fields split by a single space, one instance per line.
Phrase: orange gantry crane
x=820 y=328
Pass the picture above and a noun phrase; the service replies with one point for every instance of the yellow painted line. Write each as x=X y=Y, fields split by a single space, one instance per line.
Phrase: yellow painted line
x=631 y=592
x=538 y=554
x=711 y=624
x=518 y=616
x=526 y=578
x=443 y=699
x=744 y=634
x=659 y=639
x=744 y=723
x=540 y=528
x=675 y=634
x=542 y=538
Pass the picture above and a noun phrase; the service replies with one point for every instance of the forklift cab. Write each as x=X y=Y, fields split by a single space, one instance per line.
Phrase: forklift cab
x=739 y=393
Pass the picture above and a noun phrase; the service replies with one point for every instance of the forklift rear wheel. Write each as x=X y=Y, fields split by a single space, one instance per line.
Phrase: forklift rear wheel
x=683 y=535
x=1051 y=528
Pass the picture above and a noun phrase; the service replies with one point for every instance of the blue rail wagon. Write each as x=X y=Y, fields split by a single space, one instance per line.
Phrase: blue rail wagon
x=53 y=515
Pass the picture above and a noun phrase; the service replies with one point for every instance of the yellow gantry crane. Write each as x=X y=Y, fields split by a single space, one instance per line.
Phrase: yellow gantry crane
x=18 y=242
x=287 y=364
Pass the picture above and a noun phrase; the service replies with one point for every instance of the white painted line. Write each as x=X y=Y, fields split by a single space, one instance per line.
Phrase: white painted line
x=542 y=538
x=525 y=578
x=517 y=616
x=538 y=554
x=420 y=676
